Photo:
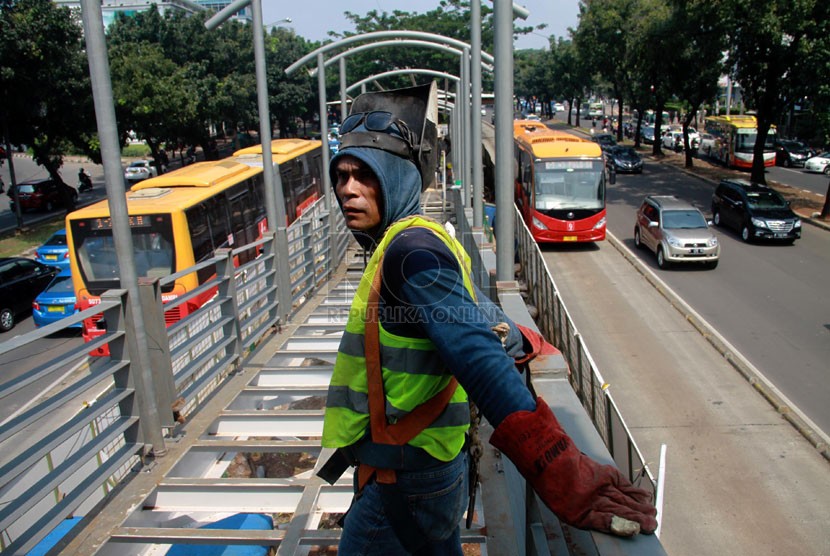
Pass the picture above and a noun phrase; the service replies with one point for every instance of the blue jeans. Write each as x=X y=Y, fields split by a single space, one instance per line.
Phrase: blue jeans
x=437 y=499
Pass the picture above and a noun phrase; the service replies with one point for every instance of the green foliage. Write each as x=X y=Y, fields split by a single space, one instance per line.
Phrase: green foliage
x=135 y=150
x=44 y=81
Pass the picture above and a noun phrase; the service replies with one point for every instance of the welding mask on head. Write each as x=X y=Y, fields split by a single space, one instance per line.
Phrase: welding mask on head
x=402 y=122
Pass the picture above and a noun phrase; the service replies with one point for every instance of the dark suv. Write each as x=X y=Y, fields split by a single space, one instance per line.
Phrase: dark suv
x=756 y=211
x=45 y=194
x=791 y=153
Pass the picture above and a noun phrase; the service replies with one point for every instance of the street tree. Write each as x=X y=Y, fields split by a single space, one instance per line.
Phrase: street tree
x=44 y=82
x=778 y=52
x=601 y=37
x=696 y=63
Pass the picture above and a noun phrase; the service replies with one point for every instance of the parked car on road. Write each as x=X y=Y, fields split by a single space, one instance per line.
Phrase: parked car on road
x=818 y=163
x=624 y=159
x=676 y=232
x=56 y=301
x=755 y=211
x=647 y=135
x=55 y=251
x=791 y=153
x=43 y=194
x=672 y=139
x=140 y=170
x=21 y=280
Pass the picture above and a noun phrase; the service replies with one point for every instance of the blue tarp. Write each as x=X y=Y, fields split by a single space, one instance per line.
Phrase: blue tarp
x=239 y=521
x=50 y=540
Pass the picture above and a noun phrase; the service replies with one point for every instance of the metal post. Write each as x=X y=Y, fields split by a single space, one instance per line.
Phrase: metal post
x=475 y=69
x=324 y=131
x=468 y=143
x=344 y=108
x=161 y=364
x=504 y=138
x=99 y=74
x=274 y=198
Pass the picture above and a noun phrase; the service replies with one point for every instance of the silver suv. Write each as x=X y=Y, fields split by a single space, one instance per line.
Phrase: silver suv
x=676 y=231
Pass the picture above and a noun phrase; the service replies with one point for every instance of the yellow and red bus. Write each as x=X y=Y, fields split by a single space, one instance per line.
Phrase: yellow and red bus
x=733 y=141
x=560 y=184
x=181 y=218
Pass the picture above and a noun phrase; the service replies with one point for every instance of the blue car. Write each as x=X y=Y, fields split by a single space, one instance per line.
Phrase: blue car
x=55 y=302
x=55 y=252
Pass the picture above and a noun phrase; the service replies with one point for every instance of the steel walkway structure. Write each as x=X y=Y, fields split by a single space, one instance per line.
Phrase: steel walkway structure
x=250 y=442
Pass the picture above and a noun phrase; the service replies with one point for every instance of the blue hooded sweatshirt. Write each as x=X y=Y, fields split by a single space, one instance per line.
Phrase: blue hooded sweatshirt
x=423 y=295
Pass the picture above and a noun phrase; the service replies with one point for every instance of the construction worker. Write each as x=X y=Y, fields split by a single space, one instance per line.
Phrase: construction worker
x=418 y=345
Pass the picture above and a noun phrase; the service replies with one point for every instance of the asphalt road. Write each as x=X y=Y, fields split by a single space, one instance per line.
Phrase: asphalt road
x=739 y=479
x=769 y=301
x=26 y=169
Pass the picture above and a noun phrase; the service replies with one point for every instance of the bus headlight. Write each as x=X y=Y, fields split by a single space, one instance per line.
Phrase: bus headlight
x=538 y=224
x=758 y=223
x=600 y=224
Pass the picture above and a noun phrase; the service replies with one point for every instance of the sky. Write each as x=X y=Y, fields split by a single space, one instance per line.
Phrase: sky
x=312 y=19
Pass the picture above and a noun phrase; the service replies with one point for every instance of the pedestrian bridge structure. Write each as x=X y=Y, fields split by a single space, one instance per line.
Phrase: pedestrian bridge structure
x=238 y=390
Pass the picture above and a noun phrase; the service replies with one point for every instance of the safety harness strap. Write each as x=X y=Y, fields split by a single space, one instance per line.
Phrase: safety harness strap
x=411 y=424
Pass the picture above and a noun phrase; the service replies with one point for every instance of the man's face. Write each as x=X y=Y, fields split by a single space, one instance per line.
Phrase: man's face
x=358 y=190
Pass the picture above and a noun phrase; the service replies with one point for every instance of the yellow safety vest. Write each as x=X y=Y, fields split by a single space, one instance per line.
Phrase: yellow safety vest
x=412 y=370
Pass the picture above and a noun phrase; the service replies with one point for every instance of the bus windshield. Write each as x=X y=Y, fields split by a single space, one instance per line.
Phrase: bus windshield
x=745 y=141
x=569 y=184
x=153 y=250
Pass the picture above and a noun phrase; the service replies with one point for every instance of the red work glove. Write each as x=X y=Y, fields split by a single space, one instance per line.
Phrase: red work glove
x=534 y=345
x=580 y=491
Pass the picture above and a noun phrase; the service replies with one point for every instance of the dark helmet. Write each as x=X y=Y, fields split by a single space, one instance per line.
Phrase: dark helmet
x=400 y=121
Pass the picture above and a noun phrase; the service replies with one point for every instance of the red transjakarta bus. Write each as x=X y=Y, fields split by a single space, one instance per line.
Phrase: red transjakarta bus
x=560 y=184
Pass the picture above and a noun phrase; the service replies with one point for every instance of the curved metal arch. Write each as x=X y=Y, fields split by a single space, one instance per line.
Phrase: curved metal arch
x=407 y=71
x=382 y=35
x=399 y=42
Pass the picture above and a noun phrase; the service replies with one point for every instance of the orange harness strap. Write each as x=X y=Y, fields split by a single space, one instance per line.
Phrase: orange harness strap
x=409 y=426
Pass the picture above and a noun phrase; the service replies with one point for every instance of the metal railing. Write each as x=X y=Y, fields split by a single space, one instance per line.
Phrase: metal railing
x=552 y=318
x=555 y=323
x=65 y=453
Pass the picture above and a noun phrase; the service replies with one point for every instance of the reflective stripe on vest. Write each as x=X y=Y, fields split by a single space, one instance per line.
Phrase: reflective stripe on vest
x=413 y=372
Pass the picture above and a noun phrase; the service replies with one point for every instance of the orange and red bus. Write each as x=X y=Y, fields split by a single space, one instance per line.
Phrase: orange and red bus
x=181 y=218
x=733 y=141
x=560 y=184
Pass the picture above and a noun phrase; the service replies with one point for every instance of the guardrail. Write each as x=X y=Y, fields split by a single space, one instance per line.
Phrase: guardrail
x=65 y=454
x=551 y=316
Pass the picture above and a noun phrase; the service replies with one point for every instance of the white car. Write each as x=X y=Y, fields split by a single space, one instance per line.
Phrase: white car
x=671 y=138
x=140 y=170
x=818 y=163
x=558 y=107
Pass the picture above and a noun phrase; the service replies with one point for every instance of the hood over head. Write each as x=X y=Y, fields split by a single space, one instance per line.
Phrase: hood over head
x=400 y=187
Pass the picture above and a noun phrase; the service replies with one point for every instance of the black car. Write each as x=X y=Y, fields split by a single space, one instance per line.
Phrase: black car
x=624 y=159
x=605 y=140
x=791 y=153
x=756 y=211
x=21 y=280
